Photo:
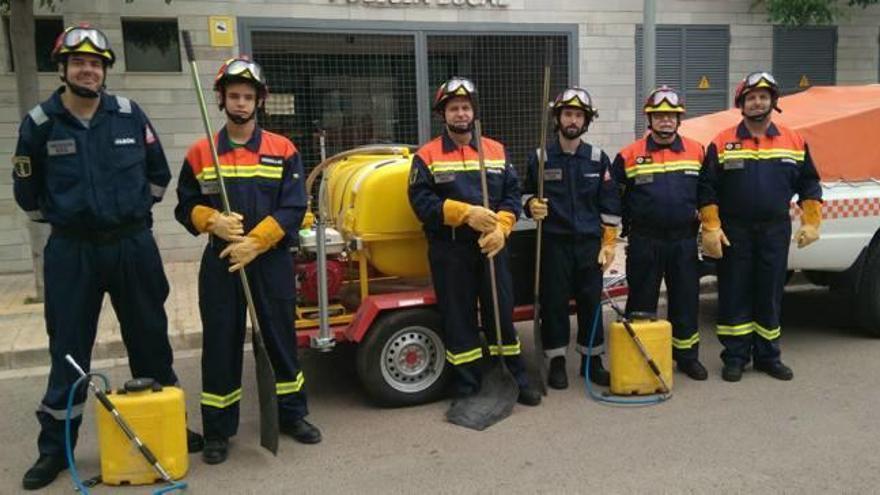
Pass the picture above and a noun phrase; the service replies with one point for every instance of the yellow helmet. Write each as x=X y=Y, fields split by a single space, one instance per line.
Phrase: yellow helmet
x=664 y=99
x=83 y=39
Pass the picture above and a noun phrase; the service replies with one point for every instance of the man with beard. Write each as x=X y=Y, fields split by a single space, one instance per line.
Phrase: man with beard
x=91 y=165
x=750 y=174
x=263 y=173
x=445 y=193
x=658 y=176
x=581 y=214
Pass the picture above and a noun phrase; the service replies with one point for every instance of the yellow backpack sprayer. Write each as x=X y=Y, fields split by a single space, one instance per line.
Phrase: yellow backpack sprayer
x=158 y=414
x=640 y=356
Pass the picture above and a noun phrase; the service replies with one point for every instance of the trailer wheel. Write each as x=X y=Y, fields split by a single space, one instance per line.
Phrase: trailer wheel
x=869 y=293
x=402 y=360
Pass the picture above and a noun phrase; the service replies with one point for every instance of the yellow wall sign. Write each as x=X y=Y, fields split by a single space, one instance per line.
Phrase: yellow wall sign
x=222 y=29
x=704 y=83
x=804 y=83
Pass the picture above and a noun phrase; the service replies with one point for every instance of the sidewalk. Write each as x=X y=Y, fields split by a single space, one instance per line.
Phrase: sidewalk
x=24 y=342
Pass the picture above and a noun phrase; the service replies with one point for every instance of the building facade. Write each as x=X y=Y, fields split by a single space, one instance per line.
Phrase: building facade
x=355 y=72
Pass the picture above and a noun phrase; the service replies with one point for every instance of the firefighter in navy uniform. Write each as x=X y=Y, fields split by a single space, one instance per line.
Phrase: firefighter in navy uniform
x=751 y=173
x=581 y=214
x=264 y=176
x=91 y=165
x=445 y=193
x=658 y=175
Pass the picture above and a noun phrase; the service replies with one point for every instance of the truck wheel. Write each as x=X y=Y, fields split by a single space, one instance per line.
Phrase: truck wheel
x=869 y=292
x=402 y=360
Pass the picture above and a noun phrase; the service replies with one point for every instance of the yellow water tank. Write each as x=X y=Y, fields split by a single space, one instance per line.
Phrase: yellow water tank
x=630 y=373
x=368 y=201
x=158 y=417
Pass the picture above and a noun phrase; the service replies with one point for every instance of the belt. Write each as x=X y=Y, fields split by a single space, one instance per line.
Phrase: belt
x=668 y=234
x=106 y=236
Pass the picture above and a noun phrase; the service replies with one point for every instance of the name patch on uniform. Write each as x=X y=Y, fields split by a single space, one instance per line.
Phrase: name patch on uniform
x=734 y=165
x=691 y=172
x=444 y=177
x=271 y=160
x=552 y=174
x=494 y=171
x=733 y=146
x=61 y=147
x=124 y=141
x=592 y=175
x=210 y=187
x=644 y=159
x=789 y=160
x=644 y=179
x=22 y=166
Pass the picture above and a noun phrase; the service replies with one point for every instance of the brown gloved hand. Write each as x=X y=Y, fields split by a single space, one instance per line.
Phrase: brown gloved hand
x=810 y=219
x=538 y=208
x=712 y=237
x=609 y=247
x=492 y=243
x=481 y=219
x=227 y=227
x=242 y=252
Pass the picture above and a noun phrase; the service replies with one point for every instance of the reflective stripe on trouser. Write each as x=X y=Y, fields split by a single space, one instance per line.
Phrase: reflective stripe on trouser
x=224 y=312
x=751 y=278
x=570 y=270
x=77 y=275
x=648 y=262
x=460 y=274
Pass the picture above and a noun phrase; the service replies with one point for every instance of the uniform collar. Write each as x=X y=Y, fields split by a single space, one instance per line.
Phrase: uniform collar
x=555 y=147
x=449 y=145
x=742 y=132
x=677 y=145
x=253 y=144
x=55 y=106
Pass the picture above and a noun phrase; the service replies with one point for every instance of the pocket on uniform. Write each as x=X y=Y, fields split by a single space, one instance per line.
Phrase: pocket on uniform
x=275 y=269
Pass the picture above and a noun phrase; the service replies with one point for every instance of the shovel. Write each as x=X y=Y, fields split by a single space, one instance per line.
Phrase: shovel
x=265 y=373
x=499 y=390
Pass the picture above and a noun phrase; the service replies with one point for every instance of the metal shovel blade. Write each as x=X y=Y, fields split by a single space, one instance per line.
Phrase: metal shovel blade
x=491 y=404
x=269 y=428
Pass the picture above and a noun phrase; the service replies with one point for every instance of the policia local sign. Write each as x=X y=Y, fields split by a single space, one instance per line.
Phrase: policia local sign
x=426 y=3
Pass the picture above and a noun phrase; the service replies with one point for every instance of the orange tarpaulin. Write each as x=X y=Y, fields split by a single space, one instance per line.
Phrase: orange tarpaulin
x=841 y=125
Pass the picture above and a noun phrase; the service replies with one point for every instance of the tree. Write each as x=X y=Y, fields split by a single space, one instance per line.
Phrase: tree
x=21 y=27
x=804 y=12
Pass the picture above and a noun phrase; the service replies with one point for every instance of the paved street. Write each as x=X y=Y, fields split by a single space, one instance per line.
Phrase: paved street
x=817 y=434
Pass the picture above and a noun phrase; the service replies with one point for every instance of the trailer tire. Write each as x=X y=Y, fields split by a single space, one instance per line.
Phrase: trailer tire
x=868 y=297
x=402 y=360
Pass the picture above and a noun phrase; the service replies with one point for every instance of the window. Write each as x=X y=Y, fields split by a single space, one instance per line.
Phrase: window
x=45 y=31
x=151 y=45
x=804 y=56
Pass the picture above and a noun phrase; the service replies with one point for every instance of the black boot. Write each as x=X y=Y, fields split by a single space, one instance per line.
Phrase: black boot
x=598 y=375
x=216 y=450
x=302 y=431
x=557 y=378
x=529 y=396
x=732 y=372
x=776 y=370
x=693 y=368
x=194 y=442
x=43 y=472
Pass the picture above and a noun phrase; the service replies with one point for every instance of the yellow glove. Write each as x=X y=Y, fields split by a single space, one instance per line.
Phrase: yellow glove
x=492 y=243
x=506 y=221
x=609 y=247
x=712 y=236
x=243 y=250
x=456 y=213
x=810 y=219
x=227 y=227
x=538 y=208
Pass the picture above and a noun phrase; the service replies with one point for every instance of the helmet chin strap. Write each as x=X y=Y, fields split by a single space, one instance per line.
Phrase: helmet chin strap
x=761 y=117
x=663 y=134
x=458 y=130
x=82 y=91
x=238 y=119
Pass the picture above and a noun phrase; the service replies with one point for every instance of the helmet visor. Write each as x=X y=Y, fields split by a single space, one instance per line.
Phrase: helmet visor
x=657 y=97
x=75 y=37
x=246 y=69
x=457 y=83
x=754 y=79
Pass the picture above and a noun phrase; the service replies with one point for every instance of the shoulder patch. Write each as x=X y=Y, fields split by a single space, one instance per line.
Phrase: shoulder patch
x=21 y=164
x=38 y=115
x=124 y=104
